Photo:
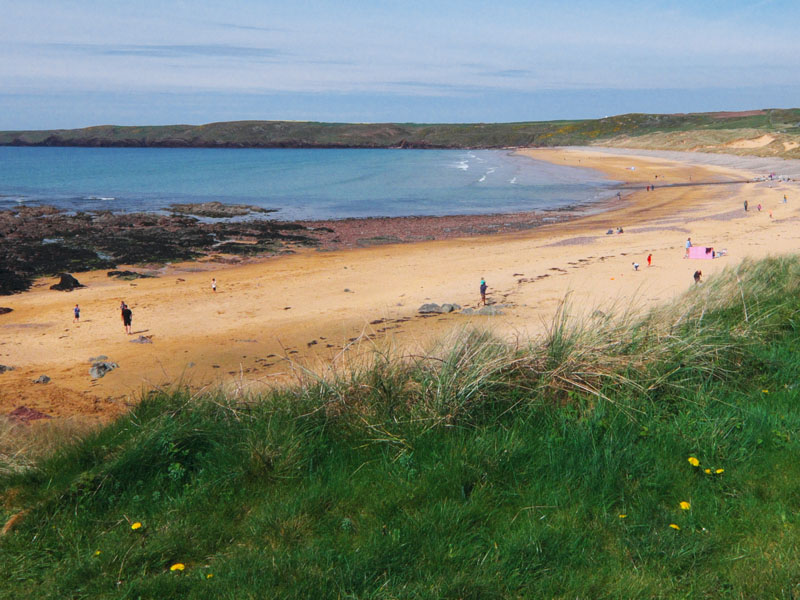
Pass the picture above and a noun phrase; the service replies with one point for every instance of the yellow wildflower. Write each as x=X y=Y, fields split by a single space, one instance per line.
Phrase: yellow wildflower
x=209 y=575
x=708 y=471
x=685 y=505
x=718 y=471
x=765 y=391
x=136 y=525
x=97 y=552
x=674 y=526
x=177 y=567
x=693 y=461
x=623 y=516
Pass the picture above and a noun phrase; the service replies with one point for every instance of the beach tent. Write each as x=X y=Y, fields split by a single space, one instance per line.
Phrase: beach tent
x=702 y=252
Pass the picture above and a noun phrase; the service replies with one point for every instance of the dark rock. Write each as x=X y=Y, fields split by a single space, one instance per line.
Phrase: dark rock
x=142 y=339
x=4 y=310
x=67 y=283
x=127 y=275
x=100 y=368
x=4 y=368
x=218 y=210
x=42 y=379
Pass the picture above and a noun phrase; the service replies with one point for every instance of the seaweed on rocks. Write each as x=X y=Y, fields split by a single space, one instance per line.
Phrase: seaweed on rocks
x=42 y=240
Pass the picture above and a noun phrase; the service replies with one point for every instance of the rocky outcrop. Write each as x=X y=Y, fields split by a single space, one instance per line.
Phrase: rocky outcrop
x=433 y=308
x=67 y=283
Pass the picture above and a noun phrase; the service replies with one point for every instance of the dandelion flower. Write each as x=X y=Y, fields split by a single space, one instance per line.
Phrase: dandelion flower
x=97 y=552
x=685 y=505
x=674 y=526
x=765 y=391
x=136 y=526
x=708 y=471
x=693 y=461
x=623 y=516
x=718 y=471
x=209 y=575
x=177 y=567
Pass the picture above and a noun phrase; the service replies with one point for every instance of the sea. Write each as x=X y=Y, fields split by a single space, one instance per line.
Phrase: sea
x=296 y=183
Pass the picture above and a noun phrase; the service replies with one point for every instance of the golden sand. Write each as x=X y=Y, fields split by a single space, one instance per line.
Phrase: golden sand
x=271 y=318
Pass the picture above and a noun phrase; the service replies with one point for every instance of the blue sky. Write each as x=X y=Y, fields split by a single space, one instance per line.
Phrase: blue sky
x=75 y=63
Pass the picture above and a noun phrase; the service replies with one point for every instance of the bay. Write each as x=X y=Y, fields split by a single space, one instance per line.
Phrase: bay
x=297 y=183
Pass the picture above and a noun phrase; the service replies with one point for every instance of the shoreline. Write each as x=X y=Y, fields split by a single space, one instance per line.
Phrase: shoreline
x=274 y=317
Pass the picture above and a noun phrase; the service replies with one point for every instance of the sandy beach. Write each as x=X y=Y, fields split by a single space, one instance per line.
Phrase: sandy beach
x=273 y=317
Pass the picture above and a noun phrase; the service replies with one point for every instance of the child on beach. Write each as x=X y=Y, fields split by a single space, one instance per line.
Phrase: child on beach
x=635 y=266
x=649 y=259
x=688 y=245
x=214 y=284
x=697 y=276
x=127 y=318
x=77 y=312
x=483 y=291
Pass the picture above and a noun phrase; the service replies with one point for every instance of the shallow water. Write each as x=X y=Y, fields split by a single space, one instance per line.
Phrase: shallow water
x=298 y=183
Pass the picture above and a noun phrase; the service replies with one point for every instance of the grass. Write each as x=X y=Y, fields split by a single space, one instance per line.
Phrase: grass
x=476 y=471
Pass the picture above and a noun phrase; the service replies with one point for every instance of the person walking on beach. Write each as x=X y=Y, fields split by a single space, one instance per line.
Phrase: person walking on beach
x=127 y=318
x=213 y=284
x=649 y=260
x=759 y=207
x=745 y=206
x=77 y=312
x=697 y=276
x=483 y=291
x=784 y=198
x=688 y=245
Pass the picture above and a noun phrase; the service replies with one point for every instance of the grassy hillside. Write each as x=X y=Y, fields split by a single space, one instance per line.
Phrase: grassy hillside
x=563 y=469
x=277 y=134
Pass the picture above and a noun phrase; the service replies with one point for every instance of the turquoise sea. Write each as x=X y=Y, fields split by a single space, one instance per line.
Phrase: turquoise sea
x=298 y=183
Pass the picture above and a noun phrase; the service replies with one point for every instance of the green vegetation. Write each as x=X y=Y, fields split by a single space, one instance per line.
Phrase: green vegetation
x=479 y=471
x=294 y=134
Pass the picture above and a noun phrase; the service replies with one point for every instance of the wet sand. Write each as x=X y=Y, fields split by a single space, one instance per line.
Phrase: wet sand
x=271 y=318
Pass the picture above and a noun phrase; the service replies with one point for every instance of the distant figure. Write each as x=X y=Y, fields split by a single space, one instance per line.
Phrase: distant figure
x=770 y=214
x=688 y=245
x=214 y=284
x=610 y=232
x=619 y=230
x=635 y=266
x=784 y=198
x=619 y=196
x=649 y=260
x=697 y=276
x=77 y=312
x=759 y=207
x=483 y=291
x=745 y=206
x=122 y=307
x=127 y=318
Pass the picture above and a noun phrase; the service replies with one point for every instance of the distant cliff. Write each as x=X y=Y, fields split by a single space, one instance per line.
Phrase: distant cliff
x=699 y=131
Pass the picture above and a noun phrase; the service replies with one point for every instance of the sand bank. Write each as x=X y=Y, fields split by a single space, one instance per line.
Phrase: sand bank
x=271 y=317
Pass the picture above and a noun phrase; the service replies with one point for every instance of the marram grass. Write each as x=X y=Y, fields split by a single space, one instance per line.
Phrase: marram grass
x=617 y=457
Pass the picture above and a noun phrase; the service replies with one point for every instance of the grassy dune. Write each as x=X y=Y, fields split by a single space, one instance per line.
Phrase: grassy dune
x=478 y=471
x=698 y=131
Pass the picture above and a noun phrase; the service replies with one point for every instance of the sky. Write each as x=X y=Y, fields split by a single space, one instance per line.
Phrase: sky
x=76 y=63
